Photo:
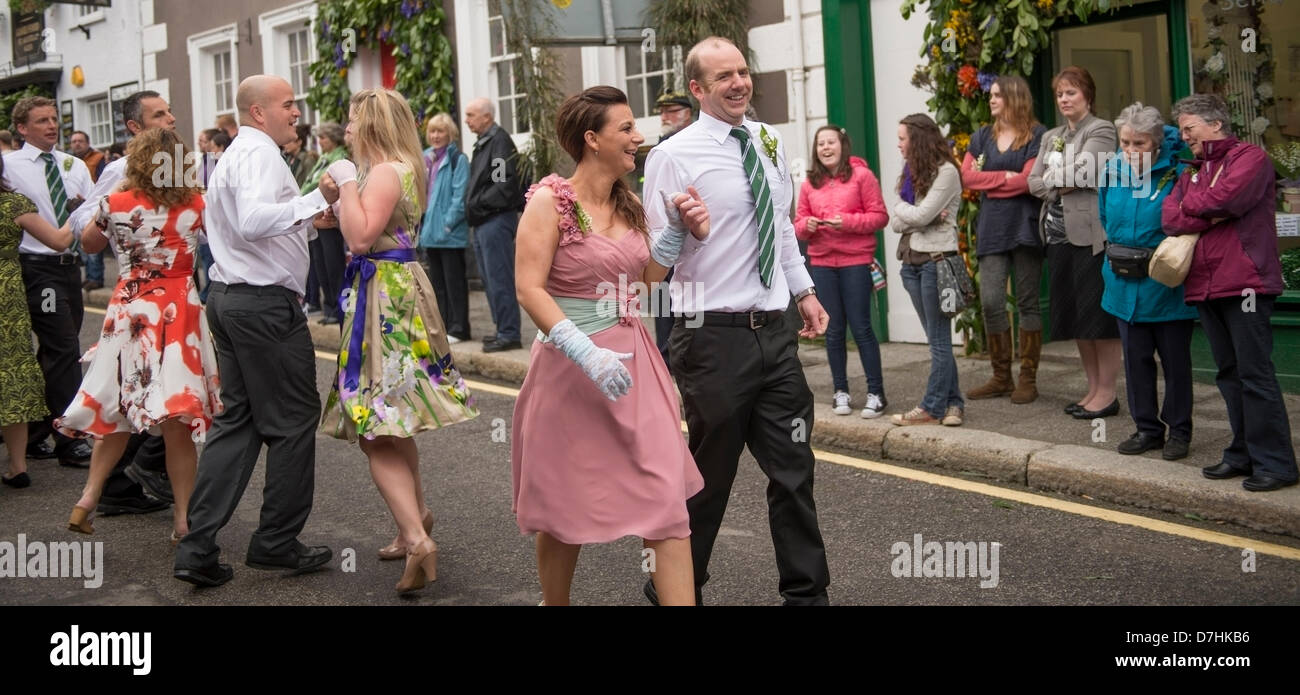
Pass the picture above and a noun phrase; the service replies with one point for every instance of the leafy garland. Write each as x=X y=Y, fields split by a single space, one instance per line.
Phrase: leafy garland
x=687 y=22
x=414 y=29
x=539 y=69
x=968 y=44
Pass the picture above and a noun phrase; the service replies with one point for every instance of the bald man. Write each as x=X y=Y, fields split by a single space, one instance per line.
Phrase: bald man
x=258 y=227
x=494 y=198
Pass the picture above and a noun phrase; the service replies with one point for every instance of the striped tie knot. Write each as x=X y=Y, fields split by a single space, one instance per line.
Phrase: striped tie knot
x=762 y=205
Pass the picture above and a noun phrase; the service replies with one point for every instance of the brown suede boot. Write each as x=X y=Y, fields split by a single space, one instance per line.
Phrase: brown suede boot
x=1000 y=355
x=1031 y=348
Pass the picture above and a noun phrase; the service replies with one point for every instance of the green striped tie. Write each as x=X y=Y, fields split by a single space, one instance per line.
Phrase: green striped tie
x=58 y=197
x=762 y=204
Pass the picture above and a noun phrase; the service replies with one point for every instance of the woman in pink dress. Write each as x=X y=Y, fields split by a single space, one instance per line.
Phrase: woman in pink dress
x=597 y=451
x=154 y=368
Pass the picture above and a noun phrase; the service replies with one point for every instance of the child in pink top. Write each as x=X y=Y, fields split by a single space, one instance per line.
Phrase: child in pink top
x=840 y=210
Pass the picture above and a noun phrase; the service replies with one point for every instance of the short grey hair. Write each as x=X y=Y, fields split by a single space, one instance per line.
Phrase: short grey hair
x=1208 y=107
x=333 y=131
x=1142 y=119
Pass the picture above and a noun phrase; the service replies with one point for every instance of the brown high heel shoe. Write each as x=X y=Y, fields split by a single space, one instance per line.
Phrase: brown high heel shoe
x=80 y=520
x=421 y=567
x=397 y=551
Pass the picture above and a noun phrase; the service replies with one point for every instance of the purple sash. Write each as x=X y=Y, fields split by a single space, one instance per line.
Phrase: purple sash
x=364 y=265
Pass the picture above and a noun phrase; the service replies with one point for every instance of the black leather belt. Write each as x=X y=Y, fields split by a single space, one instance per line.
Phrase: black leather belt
x=259 y=290
x=752 y=320
x=51 y=258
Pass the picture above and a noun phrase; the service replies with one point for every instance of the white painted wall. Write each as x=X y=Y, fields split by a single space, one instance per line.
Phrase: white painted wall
x=111 y=56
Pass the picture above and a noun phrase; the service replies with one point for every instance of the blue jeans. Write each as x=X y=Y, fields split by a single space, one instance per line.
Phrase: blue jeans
x=845 y=294
x=941 y=391
x=494 y=248
x=94 y=266
x=205 y=262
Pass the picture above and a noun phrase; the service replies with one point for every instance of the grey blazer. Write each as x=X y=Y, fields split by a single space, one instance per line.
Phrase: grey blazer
x=1086 y=151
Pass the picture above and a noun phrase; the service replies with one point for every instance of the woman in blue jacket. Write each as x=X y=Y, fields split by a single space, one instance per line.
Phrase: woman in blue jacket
x=1152 y=318
x=445 y=233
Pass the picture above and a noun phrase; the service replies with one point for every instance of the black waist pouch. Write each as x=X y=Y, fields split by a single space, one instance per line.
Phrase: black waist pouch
x=1129 y=262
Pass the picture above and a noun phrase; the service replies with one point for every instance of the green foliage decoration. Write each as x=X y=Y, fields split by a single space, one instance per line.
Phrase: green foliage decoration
x=414 y=29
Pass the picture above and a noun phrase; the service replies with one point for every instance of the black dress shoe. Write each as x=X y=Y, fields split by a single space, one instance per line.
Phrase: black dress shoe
x=205 y=577
x=502 y=346
x=329 y=321
x=1222 y=471
x=1073 y=408
x=304 y=559
x=156 y=482
x=21 y=480
x=1109 y=411
x=489 y=338
x=41 y=450
x=140 y=504
x=1175 y=449
x=1263 y=482
x=75 y=454
x=1141 y=442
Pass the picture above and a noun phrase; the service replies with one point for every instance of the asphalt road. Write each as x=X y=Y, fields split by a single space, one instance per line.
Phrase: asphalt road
x=1045 y=556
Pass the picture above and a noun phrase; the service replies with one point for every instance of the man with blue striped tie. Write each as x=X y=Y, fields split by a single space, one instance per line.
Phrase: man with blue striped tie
x=734 y=357
x=57 y=183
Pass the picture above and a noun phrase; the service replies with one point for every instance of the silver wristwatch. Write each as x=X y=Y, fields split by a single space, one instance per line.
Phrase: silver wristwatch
x=810 y=291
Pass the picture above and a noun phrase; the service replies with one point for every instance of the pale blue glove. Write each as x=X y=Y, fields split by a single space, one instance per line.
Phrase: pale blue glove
x=668 y=245
x=602 y=366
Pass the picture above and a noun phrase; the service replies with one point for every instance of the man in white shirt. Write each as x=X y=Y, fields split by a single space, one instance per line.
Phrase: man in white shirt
x=739 y=372
x=56 y=182
x=258 y=227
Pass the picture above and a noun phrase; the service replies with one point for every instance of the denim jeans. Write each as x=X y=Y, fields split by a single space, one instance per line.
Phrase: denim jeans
x=494 y=248
x=845 y=294
x=205 y=262
x=921 y=283
x=94 y=266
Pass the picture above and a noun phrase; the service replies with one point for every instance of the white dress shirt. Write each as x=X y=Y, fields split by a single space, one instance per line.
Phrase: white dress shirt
x=112 y=175
x=723 y=269
x=25 y=173
x=257 y=224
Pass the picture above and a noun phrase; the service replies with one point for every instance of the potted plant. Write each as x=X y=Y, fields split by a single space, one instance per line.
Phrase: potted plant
x=1286 y=160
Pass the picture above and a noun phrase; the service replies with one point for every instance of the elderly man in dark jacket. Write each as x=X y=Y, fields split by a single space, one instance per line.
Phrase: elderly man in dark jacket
x=1228 y=198
x=492 y=206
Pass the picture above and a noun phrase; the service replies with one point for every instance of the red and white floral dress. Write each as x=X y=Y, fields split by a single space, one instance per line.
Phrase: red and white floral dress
x=155 y=358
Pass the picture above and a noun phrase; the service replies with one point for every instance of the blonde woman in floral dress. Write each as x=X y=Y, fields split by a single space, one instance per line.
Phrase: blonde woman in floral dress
x=395 y=376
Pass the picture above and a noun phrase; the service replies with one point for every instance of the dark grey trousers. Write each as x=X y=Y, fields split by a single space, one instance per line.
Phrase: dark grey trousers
x=268 y=387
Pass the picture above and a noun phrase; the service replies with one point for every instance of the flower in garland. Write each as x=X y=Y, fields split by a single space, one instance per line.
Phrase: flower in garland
x=960 y=142
x=1045 y=5
x=1215 y=64
x=1259 y=125
x=409 y=8
x=968 y=82
x=960 y=25
x=986 y=80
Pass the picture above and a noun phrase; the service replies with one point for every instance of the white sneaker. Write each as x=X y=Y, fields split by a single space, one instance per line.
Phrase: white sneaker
x=953 y=416
x=875 y=407
x=841 y=402
x=452 y=340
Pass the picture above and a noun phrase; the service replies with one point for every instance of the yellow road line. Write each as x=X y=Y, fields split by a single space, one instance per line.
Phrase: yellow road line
x=1023 y=497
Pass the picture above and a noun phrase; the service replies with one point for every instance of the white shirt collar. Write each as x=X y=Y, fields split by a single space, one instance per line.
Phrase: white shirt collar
x=255 y=134
x=720 y=130
x=31 y=152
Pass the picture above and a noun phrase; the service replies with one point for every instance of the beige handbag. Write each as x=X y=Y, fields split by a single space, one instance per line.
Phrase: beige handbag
x=1173 y=259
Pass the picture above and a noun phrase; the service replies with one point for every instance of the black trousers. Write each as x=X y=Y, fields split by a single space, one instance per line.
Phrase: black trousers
x=148 y=452
x=268 y=388
x=746 y=387
x=1173 y=341
x=664 y=319
x=55 y=304
x=1241 y=339
x=328 y=259
x=447 y=275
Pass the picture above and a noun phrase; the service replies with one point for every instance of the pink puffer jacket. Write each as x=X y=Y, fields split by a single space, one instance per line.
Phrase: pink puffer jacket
x=858 y=202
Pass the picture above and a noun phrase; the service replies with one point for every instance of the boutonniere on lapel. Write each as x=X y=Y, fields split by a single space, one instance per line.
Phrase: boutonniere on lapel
x=1056 y=158
x=769 y=145
x=979 y=163
x=1164 y=181
x=67 y=165
x=1058 y=144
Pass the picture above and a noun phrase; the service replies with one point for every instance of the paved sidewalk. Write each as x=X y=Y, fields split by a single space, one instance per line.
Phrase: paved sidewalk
x=1036 y=445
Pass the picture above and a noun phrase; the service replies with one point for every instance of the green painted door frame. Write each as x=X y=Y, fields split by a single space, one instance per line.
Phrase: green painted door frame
x=851 y=104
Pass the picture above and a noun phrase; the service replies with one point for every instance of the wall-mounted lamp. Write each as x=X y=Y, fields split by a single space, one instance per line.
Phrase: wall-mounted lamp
x=78 y=76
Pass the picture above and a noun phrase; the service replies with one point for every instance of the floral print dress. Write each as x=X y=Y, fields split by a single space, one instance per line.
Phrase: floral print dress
x=395 y=372
x=155 y=358
x=22 y=386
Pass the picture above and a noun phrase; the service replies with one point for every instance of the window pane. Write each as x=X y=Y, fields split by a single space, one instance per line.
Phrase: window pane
x=636 y=97
x=494 y=8
x=521 y=115
x=497 y=37
x=653 y=88
x=632 y=57
x=506 y=108
x=504 y=83
x=654 y=61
